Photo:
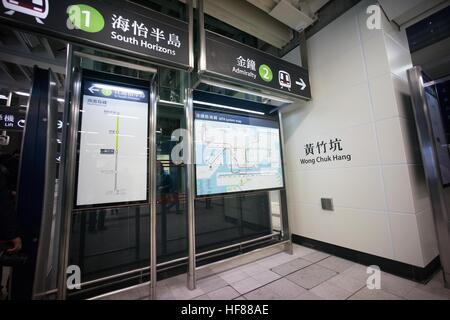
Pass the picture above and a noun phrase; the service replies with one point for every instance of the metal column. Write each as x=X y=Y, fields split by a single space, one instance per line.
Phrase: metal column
x=286 y=232
x=152 y=186
x=201 y=36
x=190 y=187
x=189 y=155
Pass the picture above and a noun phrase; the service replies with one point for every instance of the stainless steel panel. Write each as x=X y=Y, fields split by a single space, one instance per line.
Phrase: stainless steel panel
x=67 y=167
x=41 y=282
x=439 y=195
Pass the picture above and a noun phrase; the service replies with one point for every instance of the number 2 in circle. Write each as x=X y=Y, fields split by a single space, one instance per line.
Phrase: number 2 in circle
x=265 y=73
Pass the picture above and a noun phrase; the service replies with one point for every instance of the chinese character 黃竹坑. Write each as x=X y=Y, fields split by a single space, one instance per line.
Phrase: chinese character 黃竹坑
x=158 y=34
x=322 y=146
x=241 y=62
x=174 y=40
x=309 y=149
x=120 y=23
x=139 y=30
x=335 y=145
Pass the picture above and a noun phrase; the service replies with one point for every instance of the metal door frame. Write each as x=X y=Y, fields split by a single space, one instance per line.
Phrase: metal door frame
x=439 y=195
x=68 y=159
x=45 y=232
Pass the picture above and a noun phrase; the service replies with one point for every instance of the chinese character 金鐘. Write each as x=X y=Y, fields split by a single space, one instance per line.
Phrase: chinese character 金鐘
x=241 y=62
x=251 y=64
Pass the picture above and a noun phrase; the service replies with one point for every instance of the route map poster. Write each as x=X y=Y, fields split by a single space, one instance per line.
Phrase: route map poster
x=113 y=155
x=236 y=153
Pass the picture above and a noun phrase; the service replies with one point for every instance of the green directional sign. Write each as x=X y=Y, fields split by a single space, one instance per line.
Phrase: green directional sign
x=230 y=60
x=265 y=73
x=86 y=18
x=115 y=25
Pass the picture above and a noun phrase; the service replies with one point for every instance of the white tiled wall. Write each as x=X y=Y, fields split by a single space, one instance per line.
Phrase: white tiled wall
x=360 y=95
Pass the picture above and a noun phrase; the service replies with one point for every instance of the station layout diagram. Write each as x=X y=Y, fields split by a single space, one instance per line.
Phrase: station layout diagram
x=232 y=154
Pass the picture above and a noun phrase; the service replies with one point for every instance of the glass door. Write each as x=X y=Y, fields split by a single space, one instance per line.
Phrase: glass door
x=125 y=197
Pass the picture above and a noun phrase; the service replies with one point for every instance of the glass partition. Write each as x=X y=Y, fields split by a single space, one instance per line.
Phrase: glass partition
x=171 y=184
x=111 y=243
x=226 y=220
x=238 y=162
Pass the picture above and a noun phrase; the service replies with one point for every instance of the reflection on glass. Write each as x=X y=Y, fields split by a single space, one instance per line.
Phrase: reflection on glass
x=110 y=241
x=227 y=220
x=171 y=196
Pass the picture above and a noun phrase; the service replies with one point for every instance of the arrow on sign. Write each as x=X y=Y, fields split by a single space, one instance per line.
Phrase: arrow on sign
x=301 y=83
x=93 y=89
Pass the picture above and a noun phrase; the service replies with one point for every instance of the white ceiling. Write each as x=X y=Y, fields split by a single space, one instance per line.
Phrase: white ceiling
x=403 y=12
x=246 y=17
x=272 y=21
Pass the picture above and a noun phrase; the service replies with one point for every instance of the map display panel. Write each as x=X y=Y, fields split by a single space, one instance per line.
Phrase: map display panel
x=113 y=157
x=236 y=153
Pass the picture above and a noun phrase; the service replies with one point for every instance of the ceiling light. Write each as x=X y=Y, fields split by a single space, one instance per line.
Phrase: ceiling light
x=173 y=103
x=21 y=93
x=242 y=90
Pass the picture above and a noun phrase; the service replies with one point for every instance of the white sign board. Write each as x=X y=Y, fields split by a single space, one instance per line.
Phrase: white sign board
x=113 y=154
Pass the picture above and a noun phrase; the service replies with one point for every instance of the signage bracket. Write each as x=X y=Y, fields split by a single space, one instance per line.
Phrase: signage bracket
x=279 y=85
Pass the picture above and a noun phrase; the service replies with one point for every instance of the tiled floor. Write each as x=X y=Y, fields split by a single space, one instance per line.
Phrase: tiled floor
x=305 y=275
